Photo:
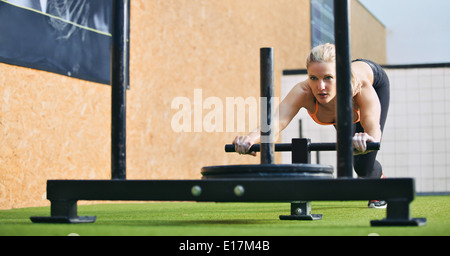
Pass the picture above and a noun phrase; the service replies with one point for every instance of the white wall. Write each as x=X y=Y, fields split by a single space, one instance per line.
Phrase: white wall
x=416 y=139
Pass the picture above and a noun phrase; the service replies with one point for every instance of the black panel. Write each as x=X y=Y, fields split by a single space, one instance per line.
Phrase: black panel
x=71 y=37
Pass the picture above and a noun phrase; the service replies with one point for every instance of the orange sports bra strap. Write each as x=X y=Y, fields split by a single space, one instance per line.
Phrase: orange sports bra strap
x=317 y=108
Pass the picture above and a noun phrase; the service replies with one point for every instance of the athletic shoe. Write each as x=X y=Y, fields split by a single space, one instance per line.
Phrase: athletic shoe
x=379 y=204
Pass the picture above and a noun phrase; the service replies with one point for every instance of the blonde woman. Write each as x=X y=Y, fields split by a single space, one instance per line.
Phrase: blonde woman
x=317 y=94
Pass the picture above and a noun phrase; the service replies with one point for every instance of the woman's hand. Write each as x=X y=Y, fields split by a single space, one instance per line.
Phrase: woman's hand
x=360 y=142
x=242 y=145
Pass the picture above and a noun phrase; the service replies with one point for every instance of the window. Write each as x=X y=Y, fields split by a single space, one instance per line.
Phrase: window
x=322 y=22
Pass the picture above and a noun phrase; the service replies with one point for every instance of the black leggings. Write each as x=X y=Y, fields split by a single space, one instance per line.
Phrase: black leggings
x=366 y=166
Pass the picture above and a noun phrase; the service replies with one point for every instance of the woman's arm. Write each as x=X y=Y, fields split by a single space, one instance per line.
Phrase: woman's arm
x=370 y=110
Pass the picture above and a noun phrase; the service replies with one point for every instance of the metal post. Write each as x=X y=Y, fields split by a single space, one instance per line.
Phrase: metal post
x=119 y=82
x=300 y=151
x=344 y=92
x=266 y=98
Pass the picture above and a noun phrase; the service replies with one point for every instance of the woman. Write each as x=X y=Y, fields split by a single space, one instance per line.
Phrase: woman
x=370 y=87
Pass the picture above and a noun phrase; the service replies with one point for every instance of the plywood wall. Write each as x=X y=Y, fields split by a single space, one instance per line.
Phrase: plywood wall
x=51 y=127
x=56 y=127
x=368 y=35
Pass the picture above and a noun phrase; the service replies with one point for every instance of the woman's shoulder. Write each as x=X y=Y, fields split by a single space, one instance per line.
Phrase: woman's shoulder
x=303 y=88
x=304 y=94
x=363 y=71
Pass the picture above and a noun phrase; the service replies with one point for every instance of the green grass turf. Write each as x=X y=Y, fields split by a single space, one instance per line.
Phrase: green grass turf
x=346 y=218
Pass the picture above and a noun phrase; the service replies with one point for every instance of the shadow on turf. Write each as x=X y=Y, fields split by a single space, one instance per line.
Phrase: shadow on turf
x=183 y=222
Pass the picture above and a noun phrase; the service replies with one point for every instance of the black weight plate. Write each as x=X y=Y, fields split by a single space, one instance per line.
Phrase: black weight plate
x=267 y=171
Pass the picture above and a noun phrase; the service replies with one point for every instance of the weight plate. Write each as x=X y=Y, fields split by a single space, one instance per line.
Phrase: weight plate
x=267 y=171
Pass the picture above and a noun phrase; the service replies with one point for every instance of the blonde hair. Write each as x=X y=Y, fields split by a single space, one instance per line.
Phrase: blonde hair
x=326 y=53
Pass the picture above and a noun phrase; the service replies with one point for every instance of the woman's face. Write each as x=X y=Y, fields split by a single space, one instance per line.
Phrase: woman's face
x=322 y=80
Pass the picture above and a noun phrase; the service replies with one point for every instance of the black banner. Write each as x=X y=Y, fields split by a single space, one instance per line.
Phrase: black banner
x=68 y=37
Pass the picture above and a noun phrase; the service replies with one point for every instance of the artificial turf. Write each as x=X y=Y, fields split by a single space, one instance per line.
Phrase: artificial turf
x=342 y=218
